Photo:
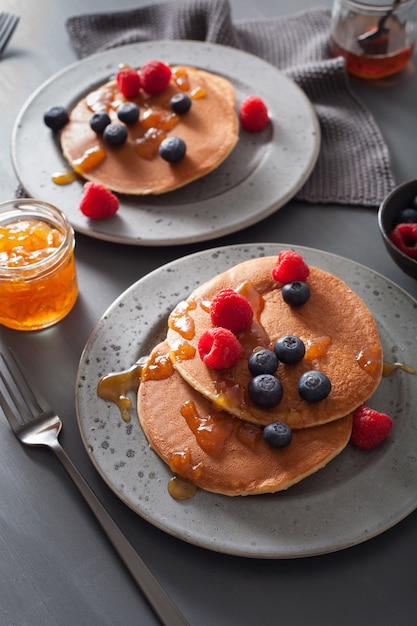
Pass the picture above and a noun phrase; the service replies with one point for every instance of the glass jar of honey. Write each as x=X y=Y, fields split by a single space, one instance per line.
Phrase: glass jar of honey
x=375 y=37
x=38 y=280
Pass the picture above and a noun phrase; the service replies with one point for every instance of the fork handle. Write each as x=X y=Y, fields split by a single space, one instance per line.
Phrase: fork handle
x=165 y=609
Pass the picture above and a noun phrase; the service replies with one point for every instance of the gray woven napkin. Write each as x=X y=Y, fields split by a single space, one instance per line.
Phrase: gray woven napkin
x=353 y=166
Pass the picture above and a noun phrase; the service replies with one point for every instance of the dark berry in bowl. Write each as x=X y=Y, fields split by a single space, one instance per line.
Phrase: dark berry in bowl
x=172 y=149
x=408 y=215
x=295 y=293
x=128 y=112
x=392 y=211
x=99 y=121
x=277 y=434
x=115 y=134
x=314 y=386
x=289 y=349
x=56 y=117
x=262 y=361
x=180 y=103
x=265 y=391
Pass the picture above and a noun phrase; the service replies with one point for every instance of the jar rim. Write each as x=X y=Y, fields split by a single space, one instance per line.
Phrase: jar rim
x=55 y=215
x=378 y=6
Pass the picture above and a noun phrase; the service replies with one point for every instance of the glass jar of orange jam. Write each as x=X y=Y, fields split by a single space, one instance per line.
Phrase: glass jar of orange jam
x=38 y=280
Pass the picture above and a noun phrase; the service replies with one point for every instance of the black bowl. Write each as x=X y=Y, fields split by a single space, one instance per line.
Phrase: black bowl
x=400 y=198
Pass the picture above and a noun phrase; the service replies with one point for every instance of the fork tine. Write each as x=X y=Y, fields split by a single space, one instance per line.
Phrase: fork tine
x=8 y=26
x=31 y=396
x=10 y=415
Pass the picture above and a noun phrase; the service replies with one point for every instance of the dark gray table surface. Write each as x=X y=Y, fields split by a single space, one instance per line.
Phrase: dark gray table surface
x=56 y=567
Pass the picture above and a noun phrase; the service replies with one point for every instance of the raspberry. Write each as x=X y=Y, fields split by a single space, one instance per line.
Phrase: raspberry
x=128 y=81
x=219 y=348
x=290 y=267
x=98 y=202
x=231 y=310
x=155 y=77
x=404 y=236
x=369 y=427
x=253 y=114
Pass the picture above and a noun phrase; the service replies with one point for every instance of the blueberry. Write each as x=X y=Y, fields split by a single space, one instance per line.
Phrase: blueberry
x=262 y=362
x=265 y=391
x=180 y=103
x=414 y=202
x=277 y=434
x=289 y=349
x=408 y=215
x=314 y=386
x=99 y=121
x=56 y=117
x=115 y=134
x=128 y=112
x=295 y=293
x=172 y=149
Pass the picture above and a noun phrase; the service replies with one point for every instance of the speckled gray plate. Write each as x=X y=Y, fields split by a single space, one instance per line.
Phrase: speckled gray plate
x=357 y=496
x=264 y=171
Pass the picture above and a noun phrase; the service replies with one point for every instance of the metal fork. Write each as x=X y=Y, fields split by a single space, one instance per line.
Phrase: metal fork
x=35 y=424
x=8 y=23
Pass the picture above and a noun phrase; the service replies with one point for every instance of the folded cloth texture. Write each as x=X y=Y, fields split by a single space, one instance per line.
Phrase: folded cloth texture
x=353 y=166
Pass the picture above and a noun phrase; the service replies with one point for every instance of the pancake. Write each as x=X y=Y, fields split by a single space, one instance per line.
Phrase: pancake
x=210 y=130
x=221 y=453
x=336 y=326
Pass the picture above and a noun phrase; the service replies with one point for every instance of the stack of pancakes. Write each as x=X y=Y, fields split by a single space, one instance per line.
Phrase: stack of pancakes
x=201 y=422
x=210 y=131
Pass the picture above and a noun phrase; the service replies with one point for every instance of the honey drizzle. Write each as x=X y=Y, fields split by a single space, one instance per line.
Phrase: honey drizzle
x=181 y=489
x=114 y=387
x=389 y=368
x=64 y=178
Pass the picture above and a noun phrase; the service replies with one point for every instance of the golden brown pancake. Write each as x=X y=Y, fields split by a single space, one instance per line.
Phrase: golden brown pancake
x=221 y=453
x=336 y=326
x=209 y=129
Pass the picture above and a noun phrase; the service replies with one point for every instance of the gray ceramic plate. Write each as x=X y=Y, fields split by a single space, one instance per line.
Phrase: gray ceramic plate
x=263 y=173
x=357 y=496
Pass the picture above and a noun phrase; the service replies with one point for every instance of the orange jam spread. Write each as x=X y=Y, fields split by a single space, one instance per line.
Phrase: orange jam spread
x=156 y=117
x=104 y=99
x=197 y=93
x=316 y=347
x=183 y=351
x=211 y=431
x=370 y=360
x=180 y=76
x=25 y=242
x=89 y=160
x=181 y=463
x=43 y=289
x=180 y=321
x=147 y=146
x=157 y=368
